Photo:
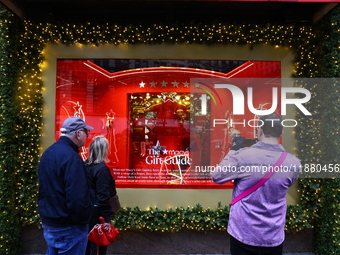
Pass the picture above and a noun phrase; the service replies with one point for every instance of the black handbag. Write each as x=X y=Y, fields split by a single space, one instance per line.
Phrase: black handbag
x=115 y=204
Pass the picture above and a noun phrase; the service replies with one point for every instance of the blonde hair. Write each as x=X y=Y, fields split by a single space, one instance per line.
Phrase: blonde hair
x=234 y=131
x=98 y=150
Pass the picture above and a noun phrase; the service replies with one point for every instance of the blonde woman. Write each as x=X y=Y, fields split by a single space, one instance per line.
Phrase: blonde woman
x=102 y=183
x=237 y=140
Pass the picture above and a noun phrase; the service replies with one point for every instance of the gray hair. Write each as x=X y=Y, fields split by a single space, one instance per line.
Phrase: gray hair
x=64 y=133
x=98 y=150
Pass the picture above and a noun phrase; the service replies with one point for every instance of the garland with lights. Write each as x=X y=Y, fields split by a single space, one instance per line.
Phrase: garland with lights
x=21 y=118
x=193 y=218
x=318 y=138
x=173 y=219
x=327 y=227
x=10 y=135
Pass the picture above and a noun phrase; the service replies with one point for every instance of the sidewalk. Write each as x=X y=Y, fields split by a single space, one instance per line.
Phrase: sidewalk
x=289 y=253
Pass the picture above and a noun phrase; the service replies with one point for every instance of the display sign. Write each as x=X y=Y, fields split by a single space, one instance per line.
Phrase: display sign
x=168 y=126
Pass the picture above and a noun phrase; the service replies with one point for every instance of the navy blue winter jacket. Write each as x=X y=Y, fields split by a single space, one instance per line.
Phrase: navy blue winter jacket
x=65 y=198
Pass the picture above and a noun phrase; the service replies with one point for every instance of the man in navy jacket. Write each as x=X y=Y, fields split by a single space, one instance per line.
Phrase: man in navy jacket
x=65 y=199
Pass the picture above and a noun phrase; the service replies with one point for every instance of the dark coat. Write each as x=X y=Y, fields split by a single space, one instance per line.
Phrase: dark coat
x=103 y=184
x=64 y=193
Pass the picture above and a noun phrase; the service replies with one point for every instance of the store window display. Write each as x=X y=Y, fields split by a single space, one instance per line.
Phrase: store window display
x=158 y=121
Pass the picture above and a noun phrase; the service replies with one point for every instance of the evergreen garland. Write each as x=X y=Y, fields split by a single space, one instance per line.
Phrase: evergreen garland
x=327 y=227
x=10 y=225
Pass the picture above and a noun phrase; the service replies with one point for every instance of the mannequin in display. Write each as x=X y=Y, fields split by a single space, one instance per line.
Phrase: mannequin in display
x=111 y=136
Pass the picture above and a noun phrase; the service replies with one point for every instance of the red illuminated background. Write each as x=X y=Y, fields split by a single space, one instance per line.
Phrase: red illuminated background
x=153 y=117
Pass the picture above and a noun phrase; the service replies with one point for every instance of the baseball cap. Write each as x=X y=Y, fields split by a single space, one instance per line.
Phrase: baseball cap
x=72 y=124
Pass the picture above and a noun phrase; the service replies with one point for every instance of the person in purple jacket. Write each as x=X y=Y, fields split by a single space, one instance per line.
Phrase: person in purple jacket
x=257 y=221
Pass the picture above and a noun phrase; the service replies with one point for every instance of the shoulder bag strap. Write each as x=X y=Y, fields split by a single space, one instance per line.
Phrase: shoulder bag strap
x=260 y=182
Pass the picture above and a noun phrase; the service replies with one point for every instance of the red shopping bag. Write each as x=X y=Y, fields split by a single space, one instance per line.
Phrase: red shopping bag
x=103 y=234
